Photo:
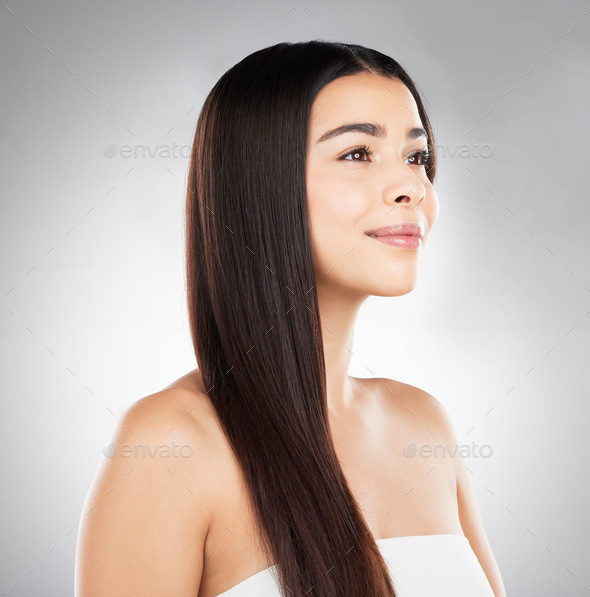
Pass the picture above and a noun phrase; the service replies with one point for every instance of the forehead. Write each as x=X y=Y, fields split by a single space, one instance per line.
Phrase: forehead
x=364 y=97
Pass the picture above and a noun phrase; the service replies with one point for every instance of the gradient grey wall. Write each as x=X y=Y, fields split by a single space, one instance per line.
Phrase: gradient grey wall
x=91 y=252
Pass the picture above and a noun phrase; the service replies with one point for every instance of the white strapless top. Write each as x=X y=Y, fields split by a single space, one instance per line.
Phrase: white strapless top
x=420 y=566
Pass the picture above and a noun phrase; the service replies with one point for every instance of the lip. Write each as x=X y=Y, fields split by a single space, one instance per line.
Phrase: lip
x=404 y=229
x=406 y=236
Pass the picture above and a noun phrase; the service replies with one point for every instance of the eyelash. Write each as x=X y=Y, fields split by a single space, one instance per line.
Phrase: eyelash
x=426 y=156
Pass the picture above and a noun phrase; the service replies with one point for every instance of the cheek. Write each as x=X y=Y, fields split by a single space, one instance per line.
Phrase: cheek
x=334 y=205
x=335 y=209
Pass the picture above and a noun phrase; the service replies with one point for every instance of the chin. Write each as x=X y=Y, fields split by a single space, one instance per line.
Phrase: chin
x=393 y=289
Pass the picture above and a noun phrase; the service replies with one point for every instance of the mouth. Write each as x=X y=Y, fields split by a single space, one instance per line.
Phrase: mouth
x=408 y=236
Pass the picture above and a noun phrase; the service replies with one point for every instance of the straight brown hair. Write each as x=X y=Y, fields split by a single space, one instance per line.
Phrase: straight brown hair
x=253 y=310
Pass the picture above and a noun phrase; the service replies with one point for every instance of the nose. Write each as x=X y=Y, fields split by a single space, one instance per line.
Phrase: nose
x=404 y=188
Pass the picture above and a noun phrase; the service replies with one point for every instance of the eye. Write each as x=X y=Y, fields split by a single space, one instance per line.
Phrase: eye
x=420 y=158
x=356 y=152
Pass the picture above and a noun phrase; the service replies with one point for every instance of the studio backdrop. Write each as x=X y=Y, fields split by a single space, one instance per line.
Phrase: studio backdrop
x=98 y=108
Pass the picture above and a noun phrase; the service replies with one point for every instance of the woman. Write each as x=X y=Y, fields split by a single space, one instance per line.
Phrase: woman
x=310 y=189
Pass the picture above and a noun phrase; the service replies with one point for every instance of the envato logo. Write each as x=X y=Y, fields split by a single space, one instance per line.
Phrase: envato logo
x=434 y=450
x=464 y=150
x=162 y=451
x=172 y=150
x=166 y=151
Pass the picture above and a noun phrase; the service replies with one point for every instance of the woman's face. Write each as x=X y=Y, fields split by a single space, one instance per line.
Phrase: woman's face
x=351 y=194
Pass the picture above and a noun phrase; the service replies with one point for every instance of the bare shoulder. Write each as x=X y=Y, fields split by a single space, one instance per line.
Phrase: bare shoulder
x=182 y=428
x=422 y=410
x=415 y=406
x=147 y=514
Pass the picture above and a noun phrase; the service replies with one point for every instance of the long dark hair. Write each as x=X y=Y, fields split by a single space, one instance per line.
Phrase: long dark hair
x=253 y=310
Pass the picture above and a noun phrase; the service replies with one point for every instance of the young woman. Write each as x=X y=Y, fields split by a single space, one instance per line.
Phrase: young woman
x=310 y=189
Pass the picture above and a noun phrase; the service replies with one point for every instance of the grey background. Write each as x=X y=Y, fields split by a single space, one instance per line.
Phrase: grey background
x=92 y=275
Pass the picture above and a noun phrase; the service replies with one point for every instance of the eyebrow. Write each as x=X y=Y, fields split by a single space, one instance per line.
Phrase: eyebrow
x=368 y=128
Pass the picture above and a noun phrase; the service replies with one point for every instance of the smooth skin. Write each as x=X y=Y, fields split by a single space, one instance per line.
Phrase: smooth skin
x=159 y=526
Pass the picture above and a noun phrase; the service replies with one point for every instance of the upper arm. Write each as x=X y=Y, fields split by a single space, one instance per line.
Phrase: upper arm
x=145 y=519
x=469 y=515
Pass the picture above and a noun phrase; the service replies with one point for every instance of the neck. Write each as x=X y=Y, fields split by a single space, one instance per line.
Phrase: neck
x=338 y=314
